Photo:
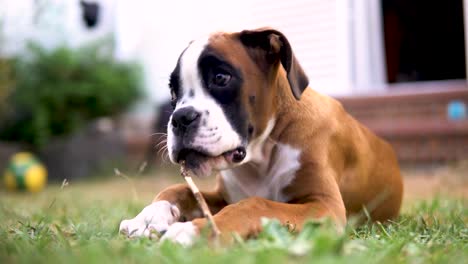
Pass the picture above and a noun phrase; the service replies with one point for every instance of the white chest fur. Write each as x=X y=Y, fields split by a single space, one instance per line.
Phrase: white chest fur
x=266 y=179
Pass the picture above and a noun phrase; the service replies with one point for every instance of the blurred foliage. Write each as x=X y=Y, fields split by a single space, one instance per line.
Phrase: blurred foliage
x=58 y=91
x=6 y=83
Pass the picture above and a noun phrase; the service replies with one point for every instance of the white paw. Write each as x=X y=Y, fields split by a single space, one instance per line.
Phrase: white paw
x=182 y=233
x=153 y=219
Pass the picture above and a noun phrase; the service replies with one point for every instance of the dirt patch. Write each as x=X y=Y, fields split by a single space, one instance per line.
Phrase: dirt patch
x=420 y=183
x=428 y=181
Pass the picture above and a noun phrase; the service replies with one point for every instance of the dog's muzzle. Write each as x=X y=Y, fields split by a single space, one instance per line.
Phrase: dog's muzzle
x=185 y=124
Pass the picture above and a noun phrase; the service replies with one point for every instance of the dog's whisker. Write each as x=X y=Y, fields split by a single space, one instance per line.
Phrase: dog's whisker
x=161 y=142
x=160 y=151
x=159 y=145
x=165 y=156
x=158 y=148
x=159 y=136
x=161 y=139
x=158 y=133
x=163 y=153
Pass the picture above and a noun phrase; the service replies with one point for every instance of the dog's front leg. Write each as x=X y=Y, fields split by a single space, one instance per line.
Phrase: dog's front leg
x=245 y=216
x=171 y=206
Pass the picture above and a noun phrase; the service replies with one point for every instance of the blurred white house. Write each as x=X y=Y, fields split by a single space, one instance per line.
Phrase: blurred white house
x=340 y=43
x=350 y=49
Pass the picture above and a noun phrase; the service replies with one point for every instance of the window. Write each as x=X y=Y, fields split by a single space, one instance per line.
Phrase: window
x=424 y=40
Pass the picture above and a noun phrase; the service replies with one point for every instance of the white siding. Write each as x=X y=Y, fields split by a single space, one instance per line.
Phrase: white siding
x=369 y=74
x=319 y=33
x=50 y=23
x=333 y=39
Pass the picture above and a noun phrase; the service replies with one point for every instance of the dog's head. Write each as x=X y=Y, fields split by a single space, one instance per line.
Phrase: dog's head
x=223 y=92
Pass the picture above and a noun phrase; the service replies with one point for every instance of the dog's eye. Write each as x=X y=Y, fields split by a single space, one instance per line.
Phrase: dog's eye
x=221 y=79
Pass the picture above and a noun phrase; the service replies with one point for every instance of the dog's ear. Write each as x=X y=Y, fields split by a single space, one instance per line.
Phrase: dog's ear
x=274 y=47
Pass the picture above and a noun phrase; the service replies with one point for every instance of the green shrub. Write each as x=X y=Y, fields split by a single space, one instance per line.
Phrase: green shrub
x=58 y=91
x=6 y=83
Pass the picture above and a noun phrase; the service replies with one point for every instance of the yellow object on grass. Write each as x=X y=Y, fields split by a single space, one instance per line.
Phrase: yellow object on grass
x=25 y=172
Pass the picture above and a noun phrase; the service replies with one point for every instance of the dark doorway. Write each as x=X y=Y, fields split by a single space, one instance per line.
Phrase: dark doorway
x=424 y=40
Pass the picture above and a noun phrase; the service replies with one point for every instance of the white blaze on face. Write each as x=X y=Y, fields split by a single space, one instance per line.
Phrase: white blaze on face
x=215 y=134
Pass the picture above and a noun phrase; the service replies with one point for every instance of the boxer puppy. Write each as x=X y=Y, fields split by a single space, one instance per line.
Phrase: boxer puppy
x=242 y=107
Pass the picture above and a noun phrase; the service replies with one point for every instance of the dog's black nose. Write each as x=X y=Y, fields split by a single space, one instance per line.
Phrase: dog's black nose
x=184 y=117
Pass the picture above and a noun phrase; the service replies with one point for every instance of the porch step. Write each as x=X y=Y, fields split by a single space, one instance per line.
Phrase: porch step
x=414 y=120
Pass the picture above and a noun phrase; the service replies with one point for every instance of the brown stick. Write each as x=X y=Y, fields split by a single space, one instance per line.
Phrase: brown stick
x=199 y=197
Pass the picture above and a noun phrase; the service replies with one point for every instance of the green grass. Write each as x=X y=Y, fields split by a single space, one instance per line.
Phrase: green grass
x=80 y=225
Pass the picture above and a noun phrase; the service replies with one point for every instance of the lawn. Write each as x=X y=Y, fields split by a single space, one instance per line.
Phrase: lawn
x=78 y=223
